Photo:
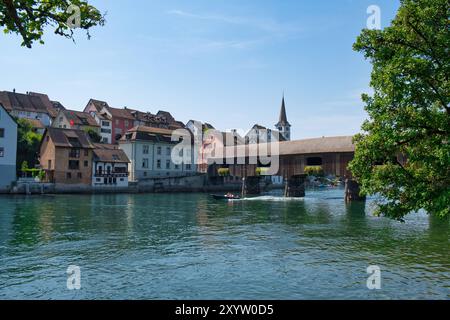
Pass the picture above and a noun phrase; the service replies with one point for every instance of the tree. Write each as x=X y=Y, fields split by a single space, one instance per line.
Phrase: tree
x=94 y=135
x=28 y=18
x=28 y=143
x=403 y=153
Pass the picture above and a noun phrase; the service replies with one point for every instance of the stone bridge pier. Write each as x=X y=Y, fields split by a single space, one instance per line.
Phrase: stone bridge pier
x=352 y=191
x=252 y=185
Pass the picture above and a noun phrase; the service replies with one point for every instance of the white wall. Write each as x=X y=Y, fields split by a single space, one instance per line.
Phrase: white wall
x=135 y=152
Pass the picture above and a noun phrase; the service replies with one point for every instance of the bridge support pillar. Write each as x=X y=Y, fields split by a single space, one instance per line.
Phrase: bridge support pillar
x=251 y=185
x=352 y=191
x=295 y=186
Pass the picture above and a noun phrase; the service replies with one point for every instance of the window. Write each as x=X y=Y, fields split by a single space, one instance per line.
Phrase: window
x=2 y=152
x=167 y=164
x=69 y=175
x=86 y=153
x=126 y=123
x=188 y=167
x=158 y=164
x=168 y=151
x=314 y=161
x=86 y=163
x=144 y=163
x=105 y=140
x=158 y=151
x=105 y=124
x=2 y=133
x=145 y=149
x=79 y=175
x=74 y=164
x=74 y=153
x=145 y=173
x=105 y=131
x=177 y=167
x=117 y=122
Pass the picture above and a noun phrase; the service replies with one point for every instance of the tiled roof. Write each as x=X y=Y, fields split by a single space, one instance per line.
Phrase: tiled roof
x=80 y=118
x=109 y=153
x=298 y=147
x=36 y=123
x=67 y=138
x=121 y=113
x=98 y=104
x=148 y=134
x=31 y=102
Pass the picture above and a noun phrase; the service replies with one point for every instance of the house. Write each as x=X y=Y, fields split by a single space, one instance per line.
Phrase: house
x=70 y=119
x=150 y=152
x=8 y=149
x=110 y=166
x=29 y=106
x=66 y=156
x=261 y=134
x=36 y=125
x=98 y=110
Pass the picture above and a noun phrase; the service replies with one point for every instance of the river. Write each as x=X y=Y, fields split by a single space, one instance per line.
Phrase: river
x=189 y=246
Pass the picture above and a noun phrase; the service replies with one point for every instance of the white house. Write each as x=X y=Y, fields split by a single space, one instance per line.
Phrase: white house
x=8 y=149
x=99 y=110
x=109 y=166
x=150 y=152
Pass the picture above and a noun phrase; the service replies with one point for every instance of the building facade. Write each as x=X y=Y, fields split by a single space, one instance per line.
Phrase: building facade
x=8 y=149
x=33 y=106
x=76 y=120
x=150 y=153
x=110 y=166
x=98 y=110
x=66 y=156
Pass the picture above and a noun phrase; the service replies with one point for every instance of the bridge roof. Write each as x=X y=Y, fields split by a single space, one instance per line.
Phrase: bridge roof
x=341 y=144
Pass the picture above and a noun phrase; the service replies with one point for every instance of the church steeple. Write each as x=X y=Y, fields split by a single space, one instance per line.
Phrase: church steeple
x=283 y=125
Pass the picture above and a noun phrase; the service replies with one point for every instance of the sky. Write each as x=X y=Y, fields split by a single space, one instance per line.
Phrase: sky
x=226 y=62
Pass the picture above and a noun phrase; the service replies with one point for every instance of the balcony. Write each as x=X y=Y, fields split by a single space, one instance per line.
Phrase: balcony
x=103 y=174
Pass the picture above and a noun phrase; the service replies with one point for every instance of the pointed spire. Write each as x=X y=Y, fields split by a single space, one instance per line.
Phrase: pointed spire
x=283 y=118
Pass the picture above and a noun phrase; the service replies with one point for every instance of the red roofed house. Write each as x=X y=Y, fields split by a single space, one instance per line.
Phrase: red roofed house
x=33 y=106
x=66 y=156
x=70 y=119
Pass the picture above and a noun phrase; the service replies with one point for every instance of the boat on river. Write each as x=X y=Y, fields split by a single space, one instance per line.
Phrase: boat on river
x=226 y=197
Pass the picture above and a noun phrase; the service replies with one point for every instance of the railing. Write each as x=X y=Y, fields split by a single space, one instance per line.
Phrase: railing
x=111 y=174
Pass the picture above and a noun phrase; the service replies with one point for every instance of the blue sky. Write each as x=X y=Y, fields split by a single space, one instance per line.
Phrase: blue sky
x=226 y=62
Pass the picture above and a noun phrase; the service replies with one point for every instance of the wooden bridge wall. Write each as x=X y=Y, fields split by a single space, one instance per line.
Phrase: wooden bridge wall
x=332 y=163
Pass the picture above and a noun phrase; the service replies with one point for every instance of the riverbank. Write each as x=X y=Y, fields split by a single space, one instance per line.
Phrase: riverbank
x=189 y=184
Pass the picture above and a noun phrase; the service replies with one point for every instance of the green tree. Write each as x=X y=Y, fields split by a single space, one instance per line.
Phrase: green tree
x=28 y=143
x=94 y=135
x=29 y=18
x=403 y=153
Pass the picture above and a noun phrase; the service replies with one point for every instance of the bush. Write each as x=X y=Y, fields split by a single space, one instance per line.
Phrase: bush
x=223 y=172
x=261 y=171
x=316 y=171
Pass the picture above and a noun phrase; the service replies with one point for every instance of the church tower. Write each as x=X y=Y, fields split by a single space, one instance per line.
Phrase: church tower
x=283 y=125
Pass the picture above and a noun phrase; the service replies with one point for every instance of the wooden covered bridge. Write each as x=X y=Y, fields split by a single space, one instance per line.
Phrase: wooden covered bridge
x=289 y=160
